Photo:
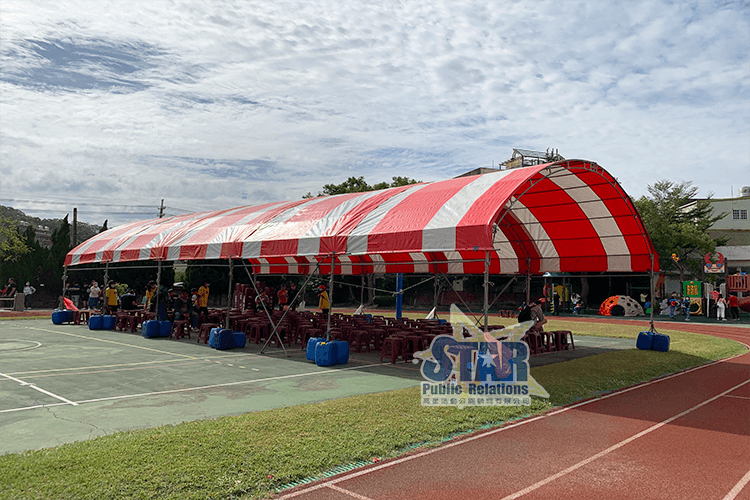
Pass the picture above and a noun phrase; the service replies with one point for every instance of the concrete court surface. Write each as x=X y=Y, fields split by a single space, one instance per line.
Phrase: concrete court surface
x=65 y=383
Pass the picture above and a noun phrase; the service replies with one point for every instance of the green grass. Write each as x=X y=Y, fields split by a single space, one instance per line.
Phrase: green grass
x=253 y=454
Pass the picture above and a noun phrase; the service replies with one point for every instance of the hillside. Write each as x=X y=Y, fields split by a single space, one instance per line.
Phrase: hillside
x=85 y=230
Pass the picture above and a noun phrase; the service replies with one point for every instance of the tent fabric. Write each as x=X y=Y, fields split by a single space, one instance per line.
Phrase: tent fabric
x=567 y=216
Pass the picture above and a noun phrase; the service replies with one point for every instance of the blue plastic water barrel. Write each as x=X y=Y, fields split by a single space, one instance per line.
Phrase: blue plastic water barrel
x=325 y=354
x=661 y=342
x=59 y=316
x=95 y=322
x=108 y=322
x=240 y=339
x=310 y=352
x=150 y=329
x=212 y=337
x=645 y=341
x=342 y=352
x=165 y=328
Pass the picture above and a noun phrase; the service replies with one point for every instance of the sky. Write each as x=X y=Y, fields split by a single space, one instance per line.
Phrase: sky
x=113 y=106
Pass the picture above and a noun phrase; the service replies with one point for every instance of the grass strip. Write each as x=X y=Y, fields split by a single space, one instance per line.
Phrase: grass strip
x=252 y=455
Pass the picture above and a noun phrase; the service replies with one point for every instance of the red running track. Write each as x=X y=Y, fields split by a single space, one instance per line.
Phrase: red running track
x=685 y=436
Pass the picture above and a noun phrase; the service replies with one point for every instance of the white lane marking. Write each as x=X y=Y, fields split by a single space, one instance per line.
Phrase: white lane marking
x=622 y=443
x=738 y=397
x=229 y=384
x=36 y=388
x=738 y=487
x=350 y=493
x=31 y=407
x=498 y=430
x=112 y=342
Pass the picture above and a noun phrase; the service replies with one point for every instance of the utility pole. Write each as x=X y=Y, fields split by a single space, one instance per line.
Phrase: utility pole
x=75 y=228
x=161 y=209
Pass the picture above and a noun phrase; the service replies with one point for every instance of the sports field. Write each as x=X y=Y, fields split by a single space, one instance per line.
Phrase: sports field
x=64 y=383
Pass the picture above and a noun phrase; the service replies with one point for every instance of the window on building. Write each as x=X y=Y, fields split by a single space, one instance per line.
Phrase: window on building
x=739 y=214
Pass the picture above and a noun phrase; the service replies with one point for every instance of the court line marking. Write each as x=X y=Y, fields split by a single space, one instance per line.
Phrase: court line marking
x=738 y=397
x=110 y=342
x=31 y=407
x=227 y=384
x=34 y=386
x=738 y=487
x=617 y=446
x=499 y=429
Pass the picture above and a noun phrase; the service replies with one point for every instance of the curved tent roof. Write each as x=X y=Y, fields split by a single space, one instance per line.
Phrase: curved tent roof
x=567 y=216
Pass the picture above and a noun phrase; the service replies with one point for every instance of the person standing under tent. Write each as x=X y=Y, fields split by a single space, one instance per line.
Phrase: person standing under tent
x=150 y=303
x=293 y=293
x=203 y=298
x=28 y=290
x=324 y=303
x=94 y=292
x=283 y=297
x=127 y=301
x=112 y=298
x=721 y=304
x=734 y=307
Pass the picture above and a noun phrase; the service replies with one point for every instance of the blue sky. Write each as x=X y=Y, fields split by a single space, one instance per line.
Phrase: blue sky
x=113 y=106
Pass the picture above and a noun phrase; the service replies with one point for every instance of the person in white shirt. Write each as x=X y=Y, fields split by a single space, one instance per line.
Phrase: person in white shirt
x=94 y=292
x=28 y=290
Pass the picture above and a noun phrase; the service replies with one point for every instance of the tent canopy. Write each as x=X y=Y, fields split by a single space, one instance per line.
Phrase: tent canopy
x=567 y=216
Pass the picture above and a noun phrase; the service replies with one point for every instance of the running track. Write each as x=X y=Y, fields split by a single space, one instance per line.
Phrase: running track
x=686 y=436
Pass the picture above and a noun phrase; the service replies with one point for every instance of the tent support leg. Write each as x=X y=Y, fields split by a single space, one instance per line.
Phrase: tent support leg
x=158 y=289
x=362 y=291
x=268 y=314
x=651 y=293
x=64 y=287
x=229 y=293
x=486 y=290
x=330 y=295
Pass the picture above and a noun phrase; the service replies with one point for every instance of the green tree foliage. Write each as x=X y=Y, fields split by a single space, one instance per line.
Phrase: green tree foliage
x=677 y=224
x=12 y=244
x=358 y=185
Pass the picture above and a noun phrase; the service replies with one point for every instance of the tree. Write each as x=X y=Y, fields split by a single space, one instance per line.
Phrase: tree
x=358 y=185
x=677 y=222
x=11 y=242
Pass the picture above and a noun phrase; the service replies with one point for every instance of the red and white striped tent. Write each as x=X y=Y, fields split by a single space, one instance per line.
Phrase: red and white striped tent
x=568 y=216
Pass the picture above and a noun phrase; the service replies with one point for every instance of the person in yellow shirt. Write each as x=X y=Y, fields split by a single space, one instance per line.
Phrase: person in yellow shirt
x=323 y=304
x=203 y=298
x=112 y=299
x=150 y=289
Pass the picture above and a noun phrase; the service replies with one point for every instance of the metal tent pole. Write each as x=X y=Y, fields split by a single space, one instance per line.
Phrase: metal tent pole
x=229 y=294
x=486 y=290
x=104 y=287
x=158 y=289
x=399 y=295
x=330 y=295
x=64 y=285
x=268 y=314
x=362 y=290
x=651 y=284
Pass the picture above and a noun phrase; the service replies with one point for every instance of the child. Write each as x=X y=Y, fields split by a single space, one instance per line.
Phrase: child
x=686 y=305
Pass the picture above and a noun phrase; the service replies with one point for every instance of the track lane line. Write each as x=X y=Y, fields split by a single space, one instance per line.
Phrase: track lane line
x=33 y=386
x=349 y=493
x=501 y=429
x=622 y=443
x=738 y=487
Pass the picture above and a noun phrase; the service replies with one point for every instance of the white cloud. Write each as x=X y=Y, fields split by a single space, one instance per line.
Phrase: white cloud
x=211 y=105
